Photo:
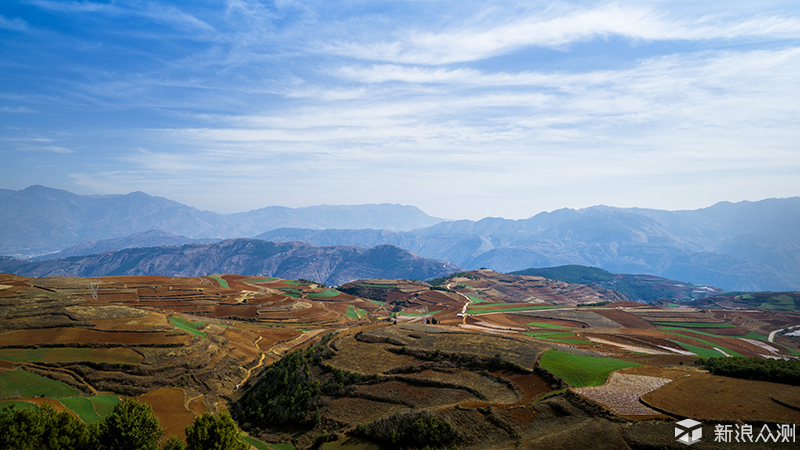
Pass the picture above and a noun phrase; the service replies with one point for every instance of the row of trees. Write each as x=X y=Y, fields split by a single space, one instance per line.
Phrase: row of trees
x=777 y=370
x=131 y=426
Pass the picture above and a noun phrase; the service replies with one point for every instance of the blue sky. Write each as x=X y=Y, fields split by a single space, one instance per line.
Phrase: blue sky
x=464 y=109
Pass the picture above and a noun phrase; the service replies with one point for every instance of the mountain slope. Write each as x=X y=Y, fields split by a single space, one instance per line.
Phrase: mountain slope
x=329 y=265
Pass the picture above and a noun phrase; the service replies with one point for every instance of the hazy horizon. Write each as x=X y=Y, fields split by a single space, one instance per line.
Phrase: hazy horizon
x=464 y=110
x=421 y=209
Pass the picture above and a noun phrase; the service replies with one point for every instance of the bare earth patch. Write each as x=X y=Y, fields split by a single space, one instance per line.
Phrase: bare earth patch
x=622 y=391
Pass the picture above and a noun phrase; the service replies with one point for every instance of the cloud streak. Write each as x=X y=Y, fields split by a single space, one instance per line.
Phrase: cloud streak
x=559 y=29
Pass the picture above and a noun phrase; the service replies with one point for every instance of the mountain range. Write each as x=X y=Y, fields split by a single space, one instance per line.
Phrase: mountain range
x=332 y=265
x=40 y=220
x=745 y=246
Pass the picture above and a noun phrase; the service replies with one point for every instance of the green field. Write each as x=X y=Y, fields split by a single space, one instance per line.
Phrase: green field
x=68 y=354
x=324 y=294
x=21 y=384
x=296 y=283
x=191 y=327
x=221 y=282
x=265 y=446
x=580 y=370
x=262 y=280
x=351 y=312
x=781 y=302
x=673 y=305
x=564 y=338
x=545 y=325
x=708 y=343
x=83 y=407
x=476 y=299
x=17 y=405
x=695 y=325
x=104 y=404
x=700 y=351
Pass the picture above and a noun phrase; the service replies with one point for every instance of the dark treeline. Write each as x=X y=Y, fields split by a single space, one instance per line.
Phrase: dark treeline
x=777 y=370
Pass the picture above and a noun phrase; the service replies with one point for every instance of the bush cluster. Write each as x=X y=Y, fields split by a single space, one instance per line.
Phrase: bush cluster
x=411 y=430
x=287 y=393
x=438 y=281
x=131 y=426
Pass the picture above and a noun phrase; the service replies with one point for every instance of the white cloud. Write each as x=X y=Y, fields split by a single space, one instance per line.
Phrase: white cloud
x=557 y=28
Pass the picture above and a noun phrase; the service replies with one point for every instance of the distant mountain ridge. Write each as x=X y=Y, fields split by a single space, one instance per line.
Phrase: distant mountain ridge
x=745 y=246
x=333 y=265
x=40 y=220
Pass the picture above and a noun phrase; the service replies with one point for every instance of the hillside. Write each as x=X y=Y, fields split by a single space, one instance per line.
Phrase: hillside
x=646 y=288
x=329 y=265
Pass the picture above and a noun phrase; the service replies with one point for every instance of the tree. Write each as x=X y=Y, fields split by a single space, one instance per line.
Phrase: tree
x=34 y=429
x=209 y=432
x=173 y=443
x=131 y=426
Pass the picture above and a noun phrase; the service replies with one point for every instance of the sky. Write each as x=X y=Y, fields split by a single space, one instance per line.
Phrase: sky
x=463 y=109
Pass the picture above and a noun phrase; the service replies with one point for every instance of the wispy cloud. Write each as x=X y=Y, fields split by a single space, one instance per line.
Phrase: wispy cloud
x=558 y=28
x=14 y=24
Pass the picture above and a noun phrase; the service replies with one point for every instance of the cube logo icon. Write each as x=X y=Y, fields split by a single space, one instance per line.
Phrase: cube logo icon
x=688 y=431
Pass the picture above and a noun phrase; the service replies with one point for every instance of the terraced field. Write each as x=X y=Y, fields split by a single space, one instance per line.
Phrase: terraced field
x=495 y=362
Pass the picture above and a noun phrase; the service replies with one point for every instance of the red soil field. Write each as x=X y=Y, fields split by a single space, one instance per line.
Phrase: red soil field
x=79 y=335
x=197 y=406
x=152 y=320
x=168 y=406
x=235 y=310
x=271 y=336
x=623 y=318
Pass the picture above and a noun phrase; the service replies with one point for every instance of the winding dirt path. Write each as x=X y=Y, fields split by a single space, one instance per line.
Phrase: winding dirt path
x=464 y=308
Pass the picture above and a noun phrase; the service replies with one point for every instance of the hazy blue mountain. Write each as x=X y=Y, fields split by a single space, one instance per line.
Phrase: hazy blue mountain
x=152 y=238
x=40 y=220
x=736 y=246
x=332 y=265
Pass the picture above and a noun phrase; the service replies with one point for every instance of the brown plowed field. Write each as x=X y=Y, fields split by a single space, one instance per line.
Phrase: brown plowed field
x=627 y=320
x=711 y=397
x=168 y=406
x=152 y=320
x=271 y=336
x=79 y=335
x=235 y=310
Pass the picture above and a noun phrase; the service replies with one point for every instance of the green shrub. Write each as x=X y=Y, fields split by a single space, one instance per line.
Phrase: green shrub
x=411 y=430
